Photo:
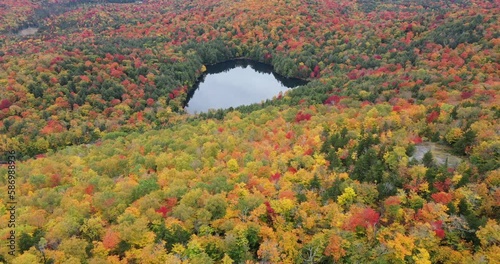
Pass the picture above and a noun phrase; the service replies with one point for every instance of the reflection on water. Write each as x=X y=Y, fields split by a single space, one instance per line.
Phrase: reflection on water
x=235 y=83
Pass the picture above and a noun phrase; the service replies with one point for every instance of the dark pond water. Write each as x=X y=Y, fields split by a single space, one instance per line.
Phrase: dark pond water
x=235 y=83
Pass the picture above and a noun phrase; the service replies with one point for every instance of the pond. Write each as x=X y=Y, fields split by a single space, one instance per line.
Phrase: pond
x=27 y=31
x=440 y=153
x=235 y=83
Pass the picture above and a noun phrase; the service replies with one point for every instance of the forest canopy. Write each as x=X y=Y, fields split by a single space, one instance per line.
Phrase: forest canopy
x=390 y=153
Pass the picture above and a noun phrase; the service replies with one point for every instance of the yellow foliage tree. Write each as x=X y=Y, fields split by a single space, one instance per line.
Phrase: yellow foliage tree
x=401 y=246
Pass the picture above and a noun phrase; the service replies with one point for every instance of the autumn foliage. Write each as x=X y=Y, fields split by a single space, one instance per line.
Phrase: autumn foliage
x=388 y=154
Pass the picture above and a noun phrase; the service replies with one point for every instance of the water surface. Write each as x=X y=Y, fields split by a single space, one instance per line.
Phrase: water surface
x=27 y=31
x=440 y=153
x=235 y=83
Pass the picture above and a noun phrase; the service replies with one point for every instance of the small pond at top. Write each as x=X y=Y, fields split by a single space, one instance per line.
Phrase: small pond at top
x=27 y=31
x=235 y=83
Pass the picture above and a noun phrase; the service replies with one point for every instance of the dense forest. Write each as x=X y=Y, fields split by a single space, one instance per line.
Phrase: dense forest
x=110 y=168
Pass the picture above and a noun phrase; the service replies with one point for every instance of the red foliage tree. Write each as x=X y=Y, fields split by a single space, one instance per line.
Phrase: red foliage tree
x=416 y=140
x=5 y=104
x=90 y=189
x=442 y=197
x=334 y=99
x=438 y=229
x=271 y=214
x=55 y=180
x=302 y=116
x=432 y=116
x=110 y=239
x=308 y=151
x=275 y=177
x=52 y=126
x=167 y=208
x=363 y=218
x=443 y=186
x=466 y=95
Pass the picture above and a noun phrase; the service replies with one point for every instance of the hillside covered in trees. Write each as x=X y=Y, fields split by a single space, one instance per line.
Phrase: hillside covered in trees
x=110 y=169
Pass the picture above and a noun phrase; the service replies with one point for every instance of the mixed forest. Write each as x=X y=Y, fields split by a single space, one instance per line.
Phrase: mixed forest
x=110 y=168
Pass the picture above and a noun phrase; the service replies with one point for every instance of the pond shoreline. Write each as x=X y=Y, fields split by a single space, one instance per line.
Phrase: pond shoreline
x=253 y=60
x=242 y=81
x=440 y=153
x=26 y=31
